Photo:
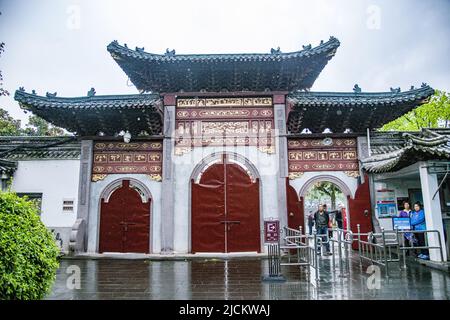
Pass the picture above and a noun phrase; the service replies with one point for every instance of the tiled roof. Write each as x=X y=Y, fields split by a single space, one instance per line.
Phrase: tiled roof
x=31 y=148
x=392 y=151
x=356 y=111
x=91 y=114
x=275 y=71
x=7 y=167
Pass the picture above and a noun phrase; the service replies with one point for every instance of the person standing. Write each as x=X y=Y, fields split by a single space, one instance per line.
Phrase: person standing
x=418 y=224
x=321 y=219
x=310 y=222
x=406 y=213
x=338 y=216
x=330 y=220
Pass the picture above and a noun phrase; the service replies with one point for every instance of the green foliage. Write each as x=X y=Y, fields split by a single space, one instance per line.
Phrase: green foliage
x=428 y=115
x=8 y=125
x=39 y=127
x=36 y=126
x=323 y=191
x=28 y=252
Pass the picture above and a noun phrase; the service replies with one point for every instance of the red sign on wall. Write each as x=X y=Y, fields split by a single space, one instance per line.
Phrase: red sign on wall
x=271 y=231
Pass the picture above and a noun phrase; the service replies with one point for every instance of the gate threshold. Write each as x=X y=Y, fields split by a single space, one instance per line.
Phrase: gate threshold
x=172 y=256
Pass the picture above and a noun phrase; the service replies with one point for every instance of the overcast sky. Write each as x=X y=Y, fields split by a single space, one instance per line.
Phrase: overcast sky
x=61 y=45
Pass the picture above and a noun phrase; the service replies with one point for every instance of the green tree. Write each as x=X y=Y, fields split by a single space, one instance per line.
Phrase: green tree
x=325 y=190
x=8 y=125
x=434 y=114
x=39 y=127
x=28 y=251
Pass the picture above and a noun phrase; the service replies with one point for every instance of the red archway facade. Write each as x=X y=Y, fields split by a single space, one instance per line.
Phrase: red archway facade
x=125 y=221
x=295 y=208
x=360 y=210
x=225 y=210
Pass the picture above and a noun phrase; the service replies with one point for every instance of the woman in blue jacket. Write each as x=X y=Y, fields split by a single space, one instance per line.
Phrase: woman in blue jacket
x=418 y=223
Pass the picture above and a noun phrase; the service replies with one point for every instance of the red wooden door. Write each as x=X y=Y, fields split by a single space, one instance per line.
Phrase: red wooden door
x=225 y=210
x=295 y=208
x=125 y=222
x=360 y=211
x=208 y=211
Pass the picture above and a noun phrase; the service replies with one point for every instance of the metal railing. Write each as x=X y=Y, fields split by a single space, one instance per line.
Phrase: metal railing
x=383 y=248
x=404 y=248
x=379 y=248
x=343 y=239
x=300 y=250
x=388 y=246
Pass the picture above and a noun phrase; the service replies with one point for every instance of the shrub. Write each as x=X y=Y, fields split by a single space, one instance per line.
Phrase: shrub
x=28 y=252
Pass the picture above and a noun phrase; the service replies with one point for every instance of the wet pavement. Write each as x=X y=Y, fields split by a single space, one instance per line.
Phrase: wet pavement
x=241 y=279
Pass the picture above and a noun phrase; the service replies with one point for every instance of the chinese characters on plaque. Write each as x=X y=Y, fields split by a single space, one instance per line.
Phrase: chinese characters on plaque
x=305 y=155
x=118 y=157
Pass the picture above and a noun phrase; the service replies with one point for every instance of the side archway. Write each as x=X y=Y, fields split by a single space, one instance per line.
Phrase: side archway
x=326 y=178
x=125 y=219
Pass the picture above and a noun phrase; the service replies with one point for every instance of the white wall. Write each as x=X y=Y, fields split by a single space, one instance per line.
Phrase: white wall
x=266 y=164
x=94 y=209
x=56 y=180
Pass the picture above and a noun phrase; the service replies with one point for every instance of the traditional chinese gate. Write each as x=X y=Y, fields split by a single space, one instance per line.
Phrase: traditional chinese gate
x=125 y=221
x=225 y=210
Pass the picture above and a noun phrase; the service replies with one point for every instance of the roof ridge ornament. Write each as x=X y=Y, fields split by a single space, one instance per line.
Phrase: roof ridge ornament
x=170 y=53
x=275 y=51
x=424 y=84
x=307 y=47
x=51 y=95
x=395 y=90
x=91 y=92
x=356 y=88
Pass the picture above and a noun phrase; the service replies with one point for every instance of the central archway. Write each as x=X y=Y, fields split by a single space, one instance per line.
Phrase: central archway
x=225 y=206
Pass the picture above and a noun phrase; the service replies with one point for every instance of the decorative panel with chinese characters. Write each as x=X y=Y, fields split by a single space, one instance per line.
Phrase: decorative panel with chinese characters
x=232 y=121
x=121 y=158
x=339 y=154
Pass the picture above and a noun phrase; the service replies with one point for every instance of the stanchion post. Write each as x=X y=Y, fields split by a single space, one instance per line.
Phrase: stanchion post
x=358 y=228
x=386 y=263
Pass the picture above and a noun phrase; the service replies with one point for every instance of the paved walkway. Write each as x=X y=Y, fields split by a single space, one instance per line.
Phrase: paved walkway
x=239 y=279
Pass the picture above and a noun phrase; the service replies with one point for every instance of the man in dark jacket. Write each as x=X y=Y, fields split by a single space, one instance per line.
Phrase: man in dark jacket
x=338 y=216
x=321 y=219
x=310 y=222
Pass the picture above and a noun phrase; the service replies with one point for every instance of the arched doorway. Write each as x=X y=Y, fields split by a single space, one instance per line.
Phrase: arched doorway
x=225 y=209
x=125 y=219
x=328 y=194
x=357 y=205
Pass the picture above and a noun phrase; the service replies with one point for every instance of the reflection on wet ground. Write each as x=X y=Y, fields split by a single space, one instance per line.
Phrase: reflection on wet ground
x=240 y=279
